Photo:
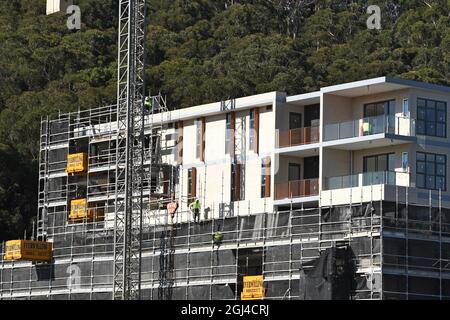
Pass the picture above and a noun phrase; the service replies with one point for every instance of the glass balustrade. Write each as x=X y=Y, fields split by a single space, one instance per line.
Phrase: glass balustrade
x=403 y=126
x=367 y=179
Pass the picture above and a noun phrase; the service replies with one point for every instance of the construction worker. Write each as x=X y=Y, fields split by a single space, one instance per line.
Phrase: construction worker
x=147 y=105
x=217 y=237
x=172 y=208
x=195 y=208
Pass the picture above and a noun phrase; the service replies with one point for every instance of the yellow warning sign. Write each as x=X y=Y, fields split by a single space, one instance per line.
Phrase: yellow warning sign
x=253 y=288
x=77 y=163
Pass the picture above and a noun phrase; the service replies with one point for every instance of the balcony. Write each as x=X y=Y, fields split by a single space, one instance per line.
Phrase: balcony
x=298 y=137
x=368 y=179
x=394 y=125
x=296 y=189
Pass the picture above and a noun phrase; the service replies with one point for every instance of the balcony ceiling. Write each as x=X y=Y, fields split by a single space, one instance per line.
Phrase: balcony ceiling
x=379 y=85
x=304 y=100
x=368 y=90
x=369 y=142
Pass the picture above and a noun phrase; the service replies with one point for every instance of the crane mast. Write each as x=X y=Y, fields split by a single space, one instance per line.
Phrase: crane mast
x=130 y=150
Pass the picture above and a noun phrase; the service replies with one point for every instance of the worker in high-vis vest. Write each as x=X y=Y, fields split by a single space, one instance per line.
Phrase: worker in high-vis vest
x=147 y=104
x=195 y=208
x=217 y=237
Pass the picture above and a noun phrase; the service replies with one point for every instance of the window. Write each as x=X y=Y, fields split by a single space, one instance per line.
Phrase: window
x=294 y=172
x=192 y=183
x=265 y=177
x=379 y=169
x=229 y=134
x=200 y=147
x=379 y=109
x=295 y=120
x=405 y=107
x=381 y=116
x=237 y=182
x=179 y=149
x=198 y=138
x=431 y=118
x=311 y=168
x=405 y=161
x=431 y=172
x=379 y=163
x=254 y=130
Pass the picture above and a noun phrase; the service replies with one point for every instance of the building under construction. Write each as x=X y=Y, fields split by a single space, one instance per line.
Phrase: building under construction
x=335 y=194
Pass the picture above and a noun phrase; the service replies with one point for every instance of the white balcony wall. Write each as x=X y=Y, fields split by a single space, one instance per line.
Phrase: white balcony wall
x=266 y=131
x=402 y=179
x=405 y=126
x=352 y=195
x=189 y=143
x=54 y=6
x=214 y=138
x=169 y=149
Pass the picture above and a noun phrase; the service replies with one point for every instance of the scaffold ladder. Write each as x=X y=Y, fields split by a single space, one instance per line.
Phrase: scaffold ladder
x=43 y=178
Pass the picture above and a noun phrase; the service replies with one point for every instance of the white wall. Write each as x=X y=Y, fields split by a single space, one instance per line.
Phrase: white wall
x=54 y=6
x=266 y=132
x=214 y=175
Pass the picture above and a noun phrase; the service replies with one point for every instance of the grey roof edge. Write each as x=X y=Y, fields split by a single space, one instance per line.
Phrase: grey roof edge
x=353 y=85
x=304 y=96
x=418 y=84
x=386 y=79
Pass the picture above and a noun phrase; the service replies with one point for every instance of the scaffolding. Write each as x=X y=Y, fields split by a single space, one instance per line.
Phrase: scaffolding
x=399 y=249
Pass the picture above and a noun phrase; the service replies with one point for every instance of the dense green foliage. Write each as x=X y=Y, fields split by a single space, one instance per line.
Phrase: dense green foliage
x=199 y=51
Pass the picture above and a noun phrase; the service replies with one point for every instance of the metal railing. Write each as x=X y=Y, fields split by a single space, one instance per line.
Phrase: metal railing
x=297 y=137
x=367 y=179
x=399 y=125
x=296 y=189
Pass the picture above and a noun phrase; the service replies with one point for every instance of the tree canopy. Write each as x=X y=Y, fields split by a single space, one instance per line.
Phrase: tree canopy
x=199 y=51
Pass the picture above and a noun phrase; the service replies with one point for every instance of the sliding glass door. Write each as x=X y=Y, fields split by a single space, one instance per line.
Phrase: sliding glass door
x=379 y=169
x=381 y=116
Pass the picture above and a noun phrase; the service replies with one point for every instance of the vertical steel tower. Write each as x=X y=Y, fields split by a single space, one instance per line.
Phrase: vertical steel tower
x=130 y=150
